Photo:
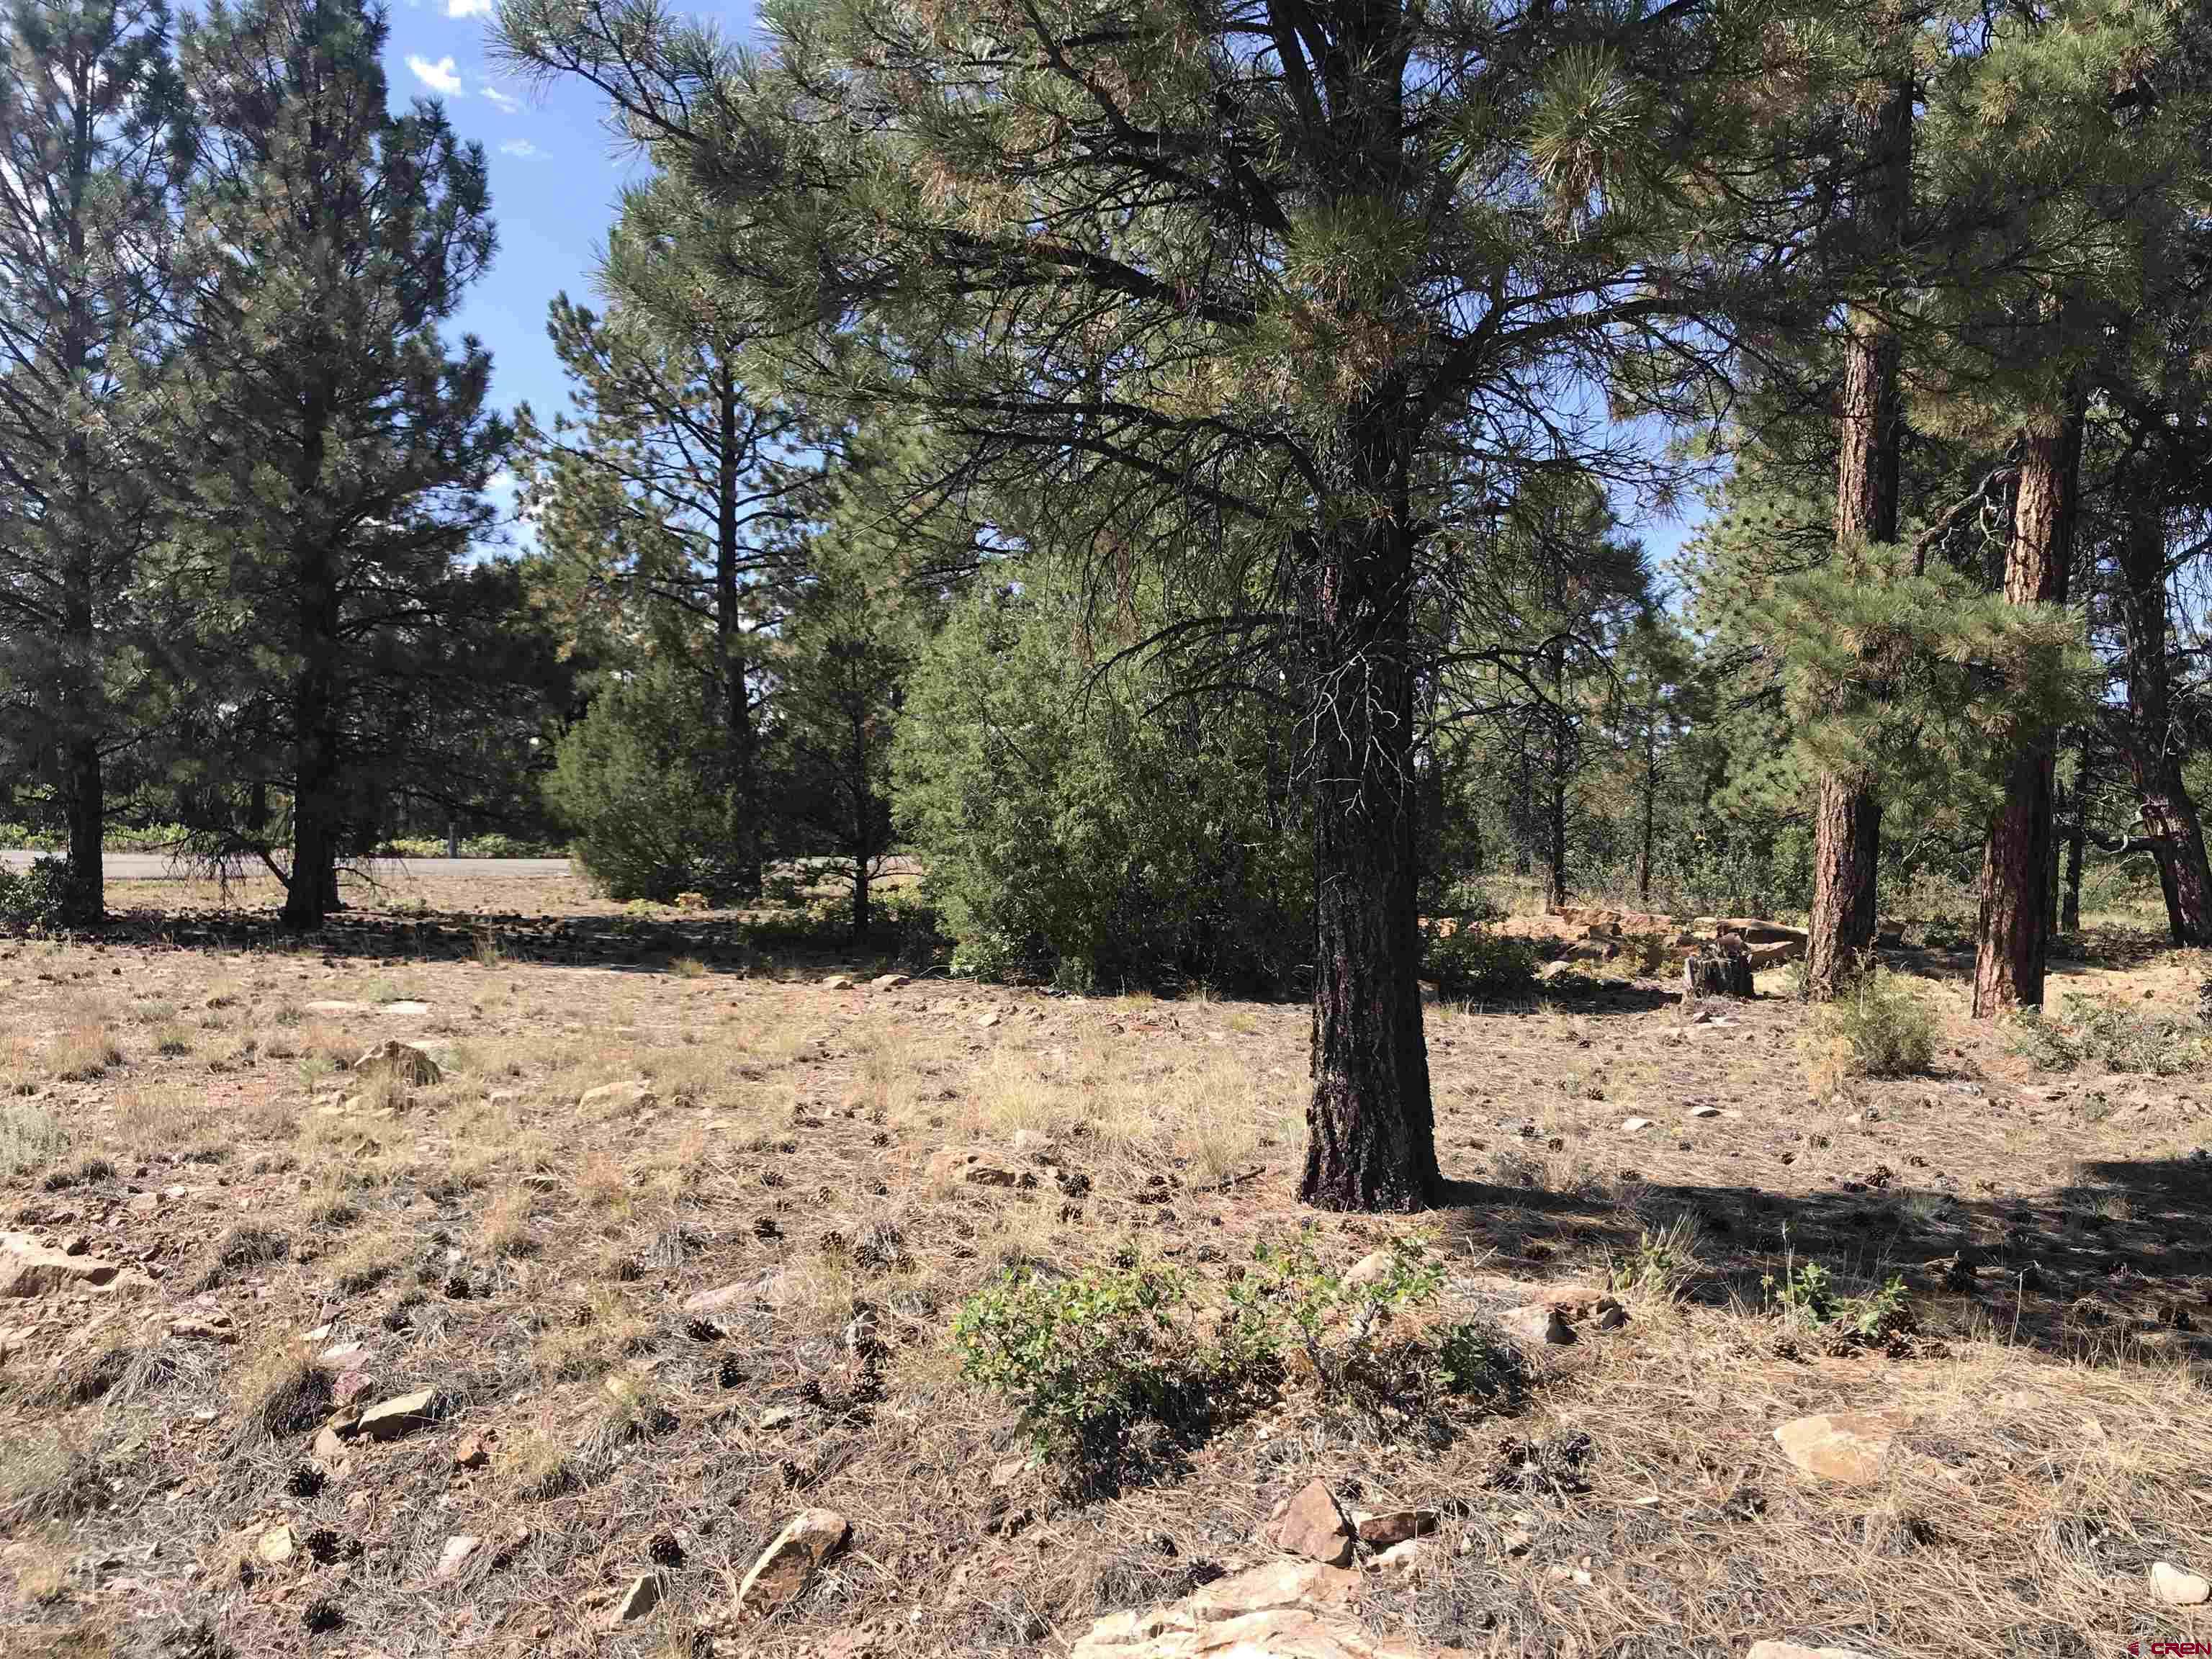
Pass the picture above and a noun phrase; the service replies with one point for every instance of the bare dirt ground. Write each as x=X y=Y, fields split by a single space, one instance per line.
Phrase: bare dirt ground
x=176 y=1105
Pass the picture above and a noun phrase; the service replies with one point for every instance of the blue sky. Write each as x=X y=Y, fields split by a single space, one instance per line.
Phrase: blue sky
x=555 y=168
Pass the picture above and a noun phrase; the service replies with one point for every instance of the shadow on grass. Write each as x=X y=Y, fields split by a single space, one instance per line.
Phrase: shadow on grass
x=2118 y=1264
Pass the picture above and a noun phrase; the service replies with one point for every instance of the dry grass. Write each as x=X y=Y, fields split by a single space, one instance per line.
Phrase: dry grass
x=530 y=1261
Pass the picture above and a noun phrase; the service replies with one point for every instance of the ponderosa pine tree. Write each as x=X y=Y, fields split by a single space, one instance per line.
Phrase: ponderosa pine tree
x=91 y=145
x=2065 y=140
x=340 y=450
x=1298 y=291
x=661 y=497
x=1847 y=819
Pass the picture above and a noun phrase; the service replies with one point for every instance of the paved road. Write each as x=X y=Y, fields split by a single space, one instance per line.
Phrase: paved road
x=158 y=866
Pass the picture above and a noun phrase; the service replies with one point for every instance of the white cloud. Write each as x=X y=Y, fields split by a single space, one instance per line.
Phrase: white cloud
x=505 y=102
x=468 y=8
x=520 y=147
x=440 y=76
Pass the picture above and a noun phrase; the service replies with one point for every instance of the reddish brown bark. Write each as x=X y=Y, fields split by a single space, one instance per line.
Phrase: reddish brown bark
x=2013 y=932
x=1847 y=830
x=2150 y=741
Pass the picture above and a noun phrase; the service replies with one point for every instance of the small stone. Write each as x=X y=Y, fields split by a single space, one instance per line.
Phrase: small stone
x=75 y=1244
x=1539 y=1322
x=401 y=1414
x=276 y=1544
x=1312 y=1524
x=984 y=1175
x=777 y=1417
x=786 y=1567
x=1848 y=1448
x=353 y=1384
x=30 y=1269
x=330 y=1446
x=1611 y=1316
x=341 y=1356
x=1634 y=1125
x=838 y=983
x=1395 y=1527
x=1791 y=1650
x=1004 y=1474
x=1704 y=1111
x=1405 y=1559
x=985 y=1022
x=2177 y=1587
x=455 y=1556
x=639 y=1601
x=334 y=1006
x=472 y=1453
x=721 y=1297
x=404 y=1007
x=1031 y=1143
x=888 y=981
x=403 y=1060
x=634 y=1091
x=1514 y=1541
x=1371 y=1269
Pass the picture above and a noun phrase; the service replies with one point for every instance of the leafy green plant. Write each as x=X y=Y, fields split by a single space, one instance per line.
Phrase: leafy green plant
x=2105 y=1031
x=1083 y=1360
x=1288 y=1298
x=31 y=900
x=1880 y=1027
x=1477 y=965
x=1806 y=1294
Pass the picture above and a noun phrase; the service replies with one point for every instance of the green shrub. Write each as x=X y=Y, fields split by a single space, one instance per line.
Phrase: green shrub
x=1806 y=1295
x=1476 y=965
x=1083 y=1359
x=1086 y=1360
x=637 y=784
x=1879 y=1027
x=1084 y=827
x=31 y=900
x=2105 y=1031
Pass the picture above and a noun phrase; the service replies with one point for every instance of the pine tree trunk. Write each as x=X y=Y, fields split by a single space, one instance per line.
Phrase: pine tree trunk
x=1847 y=827
x=313 y=881
x=2077 y=834
x=2153 y=746
x=2013 y=939
x=84 y=899
x=730 y=638
x=85 y=802
x=1650 y=804
x=1371 y=1139
x=1846 y=839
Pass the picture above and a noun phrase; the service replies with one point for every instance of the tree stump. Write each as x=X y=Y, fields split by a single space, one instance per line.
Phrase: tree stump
x=1721 y=969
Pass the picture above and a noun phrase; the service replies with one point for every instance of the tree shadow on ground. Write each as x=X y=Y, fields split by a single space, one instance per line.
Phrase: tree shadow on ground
x=646 y=941
x=2117 y=1264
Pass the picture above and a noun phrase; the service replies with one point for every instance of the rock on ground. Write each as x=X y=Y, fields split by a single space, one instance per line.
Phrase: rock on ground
x=1791 y=1650
x=1848 y=1446
x=785 y=1566
x=29 y=1268
x=1284 y=1610
x=1313 y=1524
x=2177 y=1587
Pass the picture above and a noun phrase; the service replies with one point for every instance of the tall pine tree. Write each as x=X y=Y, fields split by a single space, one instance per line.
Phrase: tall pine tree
x=90 y=147
x=341 y=448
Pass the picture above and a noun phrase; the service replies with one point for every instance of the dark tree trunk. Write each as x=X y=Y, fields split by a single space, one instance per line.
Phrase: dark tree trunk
x=84 y=898
x=2013 y=938
x=2153 y=745
x=1650 y=803
x=1370 y=1133
x=85 y=894
x=1556 y=808
x=730 y=640
x=311 y=886
x=1847 y=830
x=2077 y=835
